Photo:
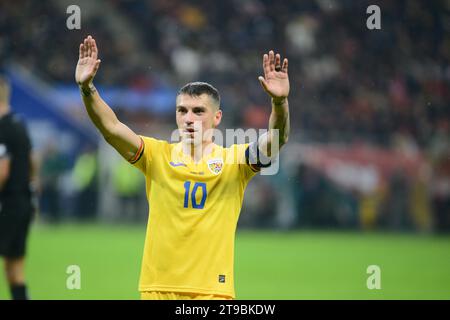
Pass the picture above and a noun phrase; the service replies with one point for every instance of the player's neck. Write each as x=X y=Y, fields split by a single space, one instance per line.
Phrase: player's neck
x=197 y=152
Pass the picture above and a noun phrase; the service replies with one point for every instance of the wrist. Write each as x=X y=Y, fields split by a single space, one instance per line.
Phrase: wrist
x=87 y=89
x=279 y=101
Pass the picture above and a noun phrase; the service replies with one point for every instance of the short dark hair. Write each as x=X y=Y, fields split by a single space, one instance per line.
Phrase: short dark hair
x=198 y=88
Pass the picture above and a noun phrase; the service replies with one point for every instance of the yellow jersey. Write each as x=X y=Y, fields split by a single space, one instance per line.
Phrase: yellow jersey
x=193 y=214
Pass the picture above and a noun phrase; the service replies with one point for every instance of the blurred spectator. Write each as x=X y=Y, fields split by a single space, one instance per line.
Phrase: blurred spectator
x=440 y=188
x=128 y=186
x=259 y=208
x=84 y=177
x=54 y=164
x=396 y=212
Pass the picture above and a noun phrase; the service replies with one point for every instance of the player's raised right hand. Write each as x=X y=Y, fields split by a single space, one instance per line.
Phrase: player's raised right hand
x=87 y=62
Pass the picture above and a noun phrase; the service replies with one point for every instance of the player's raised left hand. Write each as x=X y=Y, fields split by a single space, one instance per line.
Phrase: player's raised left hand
x=275 y=81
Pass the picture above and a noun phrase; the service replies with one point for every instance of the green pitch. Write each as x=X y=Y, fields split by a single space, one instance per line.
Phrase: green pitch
x=269 y=265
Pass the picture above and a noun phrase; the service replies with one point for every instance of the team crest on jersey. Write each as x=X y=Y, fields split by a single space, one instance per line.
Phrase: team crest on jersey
x=215 y=165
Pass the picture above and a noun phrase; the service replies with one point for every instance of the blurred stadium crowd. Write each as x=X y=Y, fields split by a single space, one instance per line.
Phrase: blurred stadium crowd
x=388 y=89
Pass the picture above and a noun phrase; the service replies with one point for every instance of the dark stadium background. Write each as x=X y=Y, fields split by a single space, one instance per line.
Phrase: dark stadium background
x=364 y=179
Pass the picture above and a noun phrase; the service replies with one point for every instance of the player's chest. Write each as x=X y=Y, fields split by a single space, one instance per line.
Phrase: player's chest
x=208 y=170
x=213 y=177
x=197 y=183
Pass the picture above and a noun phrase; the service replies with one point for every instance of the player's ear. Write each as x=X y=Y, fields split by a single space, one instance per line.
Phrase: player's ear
x=217 y=118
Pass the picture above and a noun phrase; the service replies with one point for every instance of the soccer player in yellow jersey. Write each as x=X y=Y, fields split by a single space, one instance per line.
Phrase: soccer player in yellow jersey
x=195 y=188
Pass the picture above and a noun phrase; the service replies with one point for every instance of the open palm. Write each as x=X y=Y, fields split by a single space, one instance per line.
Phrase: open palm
x=276 y=80
x=88 y=63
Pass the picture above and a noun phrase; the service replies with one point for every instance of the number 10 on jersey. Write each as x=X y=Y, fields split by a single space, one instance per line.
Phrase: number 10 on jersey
x=193 y=192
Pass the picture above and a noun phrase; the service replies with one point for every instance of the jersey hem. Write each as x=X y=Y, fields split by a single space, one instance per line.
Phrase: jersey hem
x=186 y=290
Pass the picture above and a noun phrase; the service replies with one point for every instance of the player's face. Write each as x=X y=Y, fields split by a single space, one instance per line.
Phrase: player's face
x=196 y=116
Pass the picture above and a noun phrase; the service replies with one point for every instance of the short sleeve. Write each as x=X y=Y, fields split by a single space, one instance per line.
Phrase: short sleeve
x=145 y=154
x=247 y=171
x=255 y=158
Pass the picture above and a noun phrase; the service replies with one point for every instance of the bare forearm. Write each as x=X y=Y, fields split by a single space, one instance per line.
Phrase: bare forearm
x=271 y=142
x=100 y=113
x=117 y=134
x=276 y=83
x=279 y=120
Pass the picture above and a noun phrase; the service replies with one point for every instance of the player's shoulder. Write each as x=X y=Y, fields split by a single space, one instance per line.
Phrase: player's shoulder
x=150 y=149
x=155 y=145
x=238 y=147
x=153 y=141
x=235 y=152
